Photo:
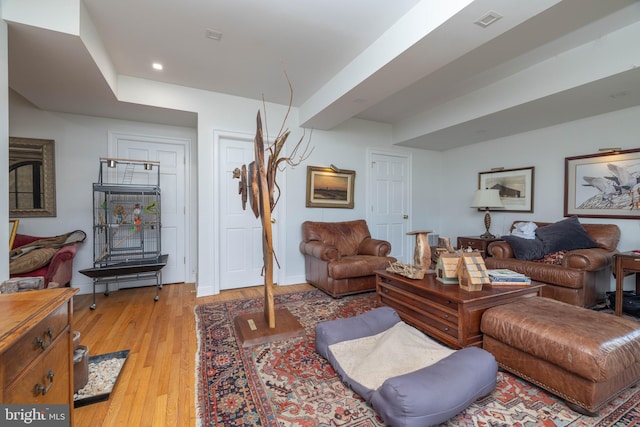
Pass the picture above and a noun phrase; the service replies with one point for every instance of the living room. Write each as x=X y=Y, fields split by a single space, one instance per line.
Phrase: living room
x=442 y=181
x=533 y=115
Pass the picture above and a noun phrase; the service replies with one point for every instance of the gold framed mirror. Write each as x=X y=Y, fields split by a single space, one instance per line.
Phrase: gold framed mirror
x=32 y=178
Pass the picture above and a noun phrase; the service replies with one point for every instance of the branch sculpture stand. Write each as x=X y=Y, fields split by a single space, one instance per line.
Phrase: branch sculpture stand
x=258 y=328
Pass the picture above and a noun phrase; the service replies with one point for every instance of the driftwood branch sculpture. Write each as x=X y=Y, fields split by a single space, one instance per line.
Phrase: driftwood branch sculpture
x=258 y=184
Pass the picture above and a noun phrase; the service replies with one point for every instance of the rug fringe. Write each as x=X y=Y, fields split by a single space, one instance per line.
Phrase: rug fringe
x=197 y=369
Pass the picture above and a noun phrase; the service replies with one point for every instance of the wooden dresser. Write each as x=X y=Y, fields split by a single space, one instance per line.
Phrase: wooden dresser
x=445 y=311
x=36 y=347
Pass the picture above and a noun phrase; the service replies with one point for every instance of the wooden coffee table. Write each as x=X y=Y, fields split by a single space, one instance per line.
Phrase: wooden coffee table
x=443 y=311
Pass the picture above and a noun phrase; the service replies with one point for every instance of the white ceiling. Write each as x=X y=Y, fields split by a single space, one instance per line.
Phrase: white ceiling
x=414 y=64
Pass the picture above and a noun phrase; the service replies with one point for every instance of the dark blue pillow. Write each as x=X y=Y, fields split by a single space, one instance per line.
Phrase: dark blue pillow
x=565 y=235
x=525 y=249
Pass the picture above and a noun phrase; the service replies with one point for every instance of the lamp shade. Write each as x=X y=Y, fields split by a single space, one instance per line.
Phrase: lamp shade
x=487 y=199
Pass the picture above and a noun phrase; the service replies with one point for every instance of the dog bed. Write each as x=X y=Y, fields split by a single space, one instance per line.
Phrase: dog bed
x=409 y=379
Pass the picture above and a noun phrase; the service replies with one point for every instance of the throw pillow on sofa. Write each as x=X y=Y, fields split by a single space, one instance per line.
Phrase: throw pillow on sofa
x=525 y=249
x=565 y=235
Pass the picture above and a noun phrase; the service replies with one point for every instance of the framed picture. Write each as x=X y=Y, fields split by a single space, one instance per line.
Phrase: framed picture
x=13 y=229
x=515 y=185
x=330 y=188
x=604 y=185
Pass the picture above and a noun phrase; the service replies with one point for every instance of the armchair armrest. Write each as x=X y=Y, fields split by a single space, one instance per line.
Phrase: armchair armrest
x=320 y=250
x=374 y=247
x=592 y=259
x=500 y=249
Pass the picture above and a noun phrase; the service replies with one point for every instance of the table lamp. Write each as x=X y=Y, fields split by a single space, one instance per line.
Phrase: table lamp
x=487 y=199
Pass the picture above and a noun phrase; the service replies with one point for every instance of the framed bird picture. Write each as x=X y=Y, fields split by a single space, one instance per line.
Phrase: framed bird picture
x=603 y=185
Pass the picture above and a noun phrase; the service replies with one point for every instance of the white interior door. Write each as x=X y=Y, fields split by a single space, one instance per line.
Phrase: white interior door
x=388 y=215
x=241 y=259
x=171 y=156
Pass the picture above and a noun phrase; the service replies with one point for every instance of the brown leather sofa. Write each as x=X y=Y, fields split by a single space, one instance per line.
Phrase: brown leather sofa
x=340 y=257
x=584 y=275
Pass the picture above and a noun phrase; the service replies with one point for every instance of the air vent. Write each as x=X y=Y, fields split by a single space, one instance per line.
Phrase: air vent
x=213 y=35
x=488 y=19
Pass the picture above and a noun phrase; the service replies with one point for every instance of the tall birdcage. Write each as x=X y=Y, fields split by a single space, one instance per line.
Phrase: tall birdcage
x=126 y=223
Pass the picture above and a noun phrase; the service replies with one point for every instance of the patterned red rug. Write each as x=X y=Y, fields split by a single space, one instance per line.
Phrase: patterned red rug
x=286 y=383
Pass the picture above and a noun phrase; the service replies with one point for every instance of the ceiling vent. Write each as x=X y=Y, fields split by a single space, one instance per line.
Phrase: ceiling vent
x=488 y=19
x=213 y=35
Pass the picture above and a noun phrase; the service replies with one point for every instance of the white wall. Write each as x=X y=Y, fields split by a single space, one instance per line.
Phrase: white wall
x=545 y=149
x=346 y=147
x=80 y=141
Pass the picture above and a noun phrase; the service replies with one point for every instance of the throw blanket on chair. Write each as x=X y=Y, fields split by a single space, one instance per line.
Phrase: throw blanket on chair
x=38 y=253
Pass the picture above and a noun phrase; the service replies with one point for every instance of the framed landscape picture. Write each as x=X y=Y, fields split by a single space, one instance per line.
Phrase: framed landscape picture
x=515 y=185
x=603 y=185
x=329 y=188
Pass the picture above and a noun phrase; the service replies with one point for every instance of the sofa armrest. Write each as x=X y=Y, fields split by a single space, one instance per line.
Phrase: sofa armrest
x=60 y=268
x=374 y=247
x=500 y=249
x=320 y=250
x=592 y=259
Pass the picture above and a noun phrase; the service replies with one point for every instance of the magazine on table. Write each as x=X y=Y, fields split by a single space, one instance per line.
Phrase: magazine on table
x=506 y=277
x=505 y=273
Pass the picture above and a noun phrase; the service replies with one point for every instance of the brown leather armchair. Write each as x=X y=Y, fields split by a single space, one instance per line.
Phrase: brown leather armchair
x=584 y=275
x=340 y=257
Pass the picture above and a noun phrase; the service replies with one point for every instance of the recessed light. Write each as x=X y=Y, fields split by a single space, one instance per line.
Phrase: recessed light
x=157 y=66
x=488 y=19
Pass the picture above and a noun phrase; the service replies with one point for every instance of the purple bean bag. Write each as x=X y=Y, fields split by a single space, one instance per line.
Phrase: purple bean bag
x=426 y=396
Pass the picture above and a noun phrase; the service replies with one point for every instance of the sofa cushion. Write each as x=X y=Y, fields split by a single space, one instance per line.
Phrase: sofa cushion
x=525 y=249
x=31 y=260
x=553 y=258
x=565 y=235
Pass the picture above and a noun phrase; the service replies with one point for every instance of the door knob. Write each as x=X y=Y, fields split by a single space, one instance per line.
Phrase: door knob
x=273 y=220
x=405 y=216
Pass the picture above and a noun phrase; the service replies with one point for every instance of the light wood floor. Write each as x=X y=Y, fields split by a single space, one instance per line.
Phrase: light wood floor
x=157 y=385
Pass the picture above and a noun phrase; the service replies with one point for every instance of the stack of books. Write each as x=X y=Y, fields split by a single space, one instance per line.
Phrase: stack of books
x=506 y=277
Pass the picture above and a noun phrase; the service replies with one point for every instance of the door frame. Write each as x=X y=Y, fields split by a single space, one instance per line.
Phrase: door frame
x=114 y=136
x=279 y=272
x=409 y=245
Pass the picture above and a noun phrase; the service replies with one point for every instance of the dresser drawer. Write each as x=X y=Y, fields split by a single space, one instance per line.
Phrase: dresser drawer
x=34 y=343
x=47 y=380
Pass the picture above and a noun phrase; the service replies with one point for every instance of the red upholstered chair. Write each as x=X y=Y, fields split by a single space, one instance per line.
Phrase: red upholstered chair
x=60 y=267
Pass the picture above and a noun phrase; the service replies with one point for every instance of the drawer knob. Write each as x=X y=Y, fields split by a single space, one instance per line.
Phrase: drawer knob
x=41 y=389
x=39 y=342
x=446 y=329
x=446 y=316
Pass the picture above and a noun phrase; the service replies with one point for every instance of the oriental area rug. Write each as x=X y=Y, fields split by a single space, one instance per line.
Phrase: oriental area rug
x=287 y=383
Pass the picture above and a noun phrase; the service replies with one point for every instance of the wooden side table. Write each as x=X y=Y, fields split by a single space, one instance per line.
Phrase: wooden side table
x=625 y=262
x=476 y=242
